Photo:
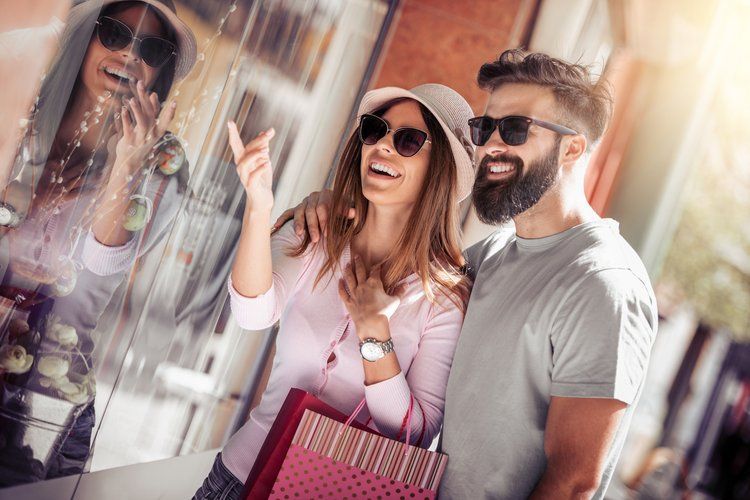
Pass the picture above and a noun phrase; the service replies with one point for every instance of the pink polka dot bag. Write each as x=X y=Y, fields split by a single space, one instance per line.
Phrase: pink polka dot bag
x=330 y=458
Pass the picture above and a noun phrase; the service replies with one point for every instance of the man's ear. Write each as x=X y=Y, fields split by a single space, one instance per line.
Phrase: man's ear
x=574 y=146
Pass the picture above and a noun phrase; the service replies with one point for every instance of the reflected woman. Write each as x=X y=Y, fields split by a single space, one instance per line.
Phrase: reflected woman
x=374 y=310
x=96 y=184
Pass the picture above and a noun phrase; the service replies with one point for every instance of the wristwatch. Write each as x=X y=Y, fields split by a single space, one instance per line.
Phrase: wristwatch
x=8 y=215
x=373 y=350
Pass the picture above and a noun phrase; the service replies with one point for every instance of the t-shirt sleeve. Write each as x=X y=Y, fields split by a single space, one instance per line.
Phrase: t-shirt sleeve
x=602 y=337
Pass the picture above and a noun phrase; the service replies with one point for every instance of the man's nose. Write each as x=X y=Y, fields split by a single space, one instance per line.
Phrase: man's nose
x=495 y=144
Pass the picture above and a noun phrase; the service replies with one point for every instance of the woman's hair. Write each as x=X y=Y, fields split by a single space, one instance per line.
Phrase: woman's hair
x=430 y=242
x=64 y=77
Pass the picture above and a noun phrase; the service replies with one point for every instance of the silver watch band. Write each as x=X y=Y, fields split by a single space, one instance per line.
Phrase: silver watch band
x=387 y=346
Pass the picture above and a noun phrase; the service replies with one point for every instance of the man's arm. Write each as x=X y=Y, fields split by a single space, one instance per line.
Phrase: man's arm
x=310 y=215
x=577 y=440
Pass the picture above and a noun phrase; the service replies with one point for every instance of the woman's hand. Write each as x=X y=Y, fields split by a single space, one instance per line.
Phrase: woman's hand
x=369 y=306
x=140 y=133
x=254 y=168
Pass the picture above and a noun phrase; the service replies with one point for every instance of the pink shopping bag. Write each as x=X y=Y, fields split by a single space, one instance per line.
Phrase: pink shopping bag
x=263 y=475
x=330 y=459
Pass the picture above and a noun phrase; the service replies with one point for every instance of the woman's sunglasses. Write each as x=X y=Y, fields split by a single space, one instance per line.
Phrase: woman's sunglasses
x=407 y=141
x=116 y=35
x=514 y=130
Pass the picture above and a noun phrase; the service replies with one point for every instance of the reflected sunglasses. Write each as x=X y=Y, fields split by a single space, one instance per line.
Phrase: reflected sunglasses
x=407 y=140
x=514 y=130
x=116 y=35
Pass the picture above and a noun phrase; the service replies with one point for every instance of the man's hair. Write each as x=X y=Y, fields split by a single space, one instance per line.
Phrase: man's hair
x=583 y=105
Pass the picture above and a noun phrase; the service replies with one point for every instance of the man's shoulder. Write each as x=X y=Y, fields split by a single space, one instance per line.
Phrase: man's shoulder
x=602 y=262
x=601 y=247
x=489 y=246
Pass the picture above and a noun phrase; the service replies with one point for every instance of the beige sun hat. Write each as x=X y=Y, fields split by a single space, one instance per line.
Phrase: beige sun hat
x=84 y=11
x=452 y=112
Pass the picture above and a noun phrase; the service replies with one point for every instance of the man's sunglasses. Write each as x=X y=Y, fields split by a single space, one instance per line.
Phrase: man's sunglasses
x=407 y=141
x=116 y=35
x=514 y=130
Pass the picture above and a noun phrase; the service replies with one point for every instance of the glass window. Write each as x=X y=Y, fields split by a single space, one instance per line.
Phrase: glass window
x=116 y=345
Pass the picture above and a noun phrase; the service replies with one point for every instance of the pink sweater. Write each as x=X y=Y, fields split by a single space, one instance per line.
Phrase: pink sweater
x=315 y=324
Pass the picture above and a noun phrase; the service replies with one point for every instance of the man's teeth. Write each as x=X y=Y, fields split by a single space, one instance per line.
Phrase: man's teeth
x=120 y=73
x=501 y=169
x=384 y=169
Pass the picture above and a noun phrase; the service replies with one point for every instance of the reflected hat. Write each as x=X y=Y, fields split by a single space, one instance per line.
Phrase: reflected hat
x=452 y=112
x=186 y=46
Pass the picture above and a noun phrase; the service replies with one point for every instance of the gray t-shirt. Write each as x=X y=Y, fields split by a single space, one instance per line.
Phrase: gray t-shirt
x=569 y=315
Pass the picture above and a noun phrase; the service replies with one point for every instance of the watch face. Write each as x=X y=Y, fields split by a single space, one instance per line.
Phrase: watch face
x=6 y=216
x=371 y=351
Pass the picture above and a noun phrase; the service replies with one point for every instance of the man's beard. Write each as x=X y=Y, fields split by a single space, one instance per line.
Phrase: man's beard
x=498 y=202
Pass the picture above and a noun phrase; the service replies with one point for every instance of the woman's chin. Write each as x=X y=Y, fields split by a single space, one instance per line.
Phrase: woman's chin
x=119 y=88
x=384 y=198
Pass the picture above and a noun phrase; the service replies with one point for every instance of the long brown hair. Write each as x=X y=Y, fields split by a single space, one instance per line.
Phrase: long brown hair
x=430 y=244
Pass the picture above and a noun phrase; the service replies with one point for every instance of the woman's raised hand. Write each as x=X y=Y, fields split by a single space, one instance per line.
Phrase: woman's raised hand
x=254 y=168
x=140 y=132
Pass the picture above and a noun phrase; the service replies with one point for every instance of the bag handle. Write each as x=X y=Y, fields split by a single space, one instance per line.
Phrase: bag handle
x=409 y=413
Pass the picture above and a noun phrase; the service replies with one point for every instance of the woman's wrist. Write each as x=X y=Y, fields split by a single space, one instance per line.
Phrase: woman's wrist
x=258 y=214
x=124 y=167
x=122 y=176
x=373 y=327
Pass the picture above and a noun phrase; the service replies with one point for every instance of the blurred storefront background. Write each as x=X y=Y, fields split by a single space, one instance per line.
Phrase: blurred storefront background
x=175 y=376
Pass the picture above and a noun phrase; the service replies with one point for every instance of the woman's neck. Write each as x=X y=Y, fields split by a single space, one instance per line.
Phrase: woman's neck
x=75 y=114
x=380 y=233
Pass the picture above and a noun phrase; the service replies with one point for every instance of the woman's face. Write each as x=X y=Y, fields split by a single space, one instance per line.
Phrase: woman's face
x=100 y=64
x=404 y=186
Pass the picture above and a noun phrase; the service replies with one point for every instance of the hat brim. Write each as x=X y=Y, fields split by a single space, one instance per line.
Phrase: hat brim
x=375 y=99
x=186 y=44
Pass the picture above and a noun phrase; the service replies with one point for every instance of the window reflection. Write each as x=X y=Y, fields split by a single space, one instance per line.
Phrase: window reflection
x=112 y=318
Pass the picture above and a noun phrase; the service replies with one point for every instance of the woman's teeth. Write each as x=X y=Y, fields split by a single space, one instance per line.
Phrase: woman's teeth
x=384 y=169
x=120 y=74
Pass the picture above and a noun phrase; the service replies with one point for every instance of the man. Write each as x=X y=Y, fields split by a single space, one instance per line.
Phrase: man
x=562 y=316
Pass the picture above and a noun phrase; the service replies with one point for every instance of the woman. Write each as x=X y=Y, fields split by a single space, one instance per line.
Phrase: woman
x=93 y=186
x=98 y=119
x=374 y=311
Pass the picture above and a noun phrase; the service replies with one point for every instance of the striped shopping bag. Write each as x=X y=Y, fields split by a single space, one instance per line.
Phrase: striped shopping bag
x=330 y=459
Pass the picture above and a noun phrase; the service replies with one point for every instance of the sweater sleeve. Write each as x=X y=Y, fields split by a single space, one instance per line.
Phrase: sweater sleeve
x=104 y=260
x=257 y=313
x=426 y=381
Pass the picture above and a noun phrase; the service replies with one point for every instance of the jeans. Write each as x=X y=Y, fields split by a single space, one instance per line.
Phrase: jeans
x=72 y=456
x=220 y=484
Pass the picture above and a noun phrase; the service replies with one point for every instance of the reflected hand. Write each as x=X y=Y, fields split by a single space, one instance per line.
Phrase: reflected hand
x=141 y=132
x=254 y=168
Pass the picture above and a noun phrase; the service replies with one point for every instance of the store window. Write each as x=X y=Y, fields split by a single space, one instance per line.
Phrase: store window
x=116 y=345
